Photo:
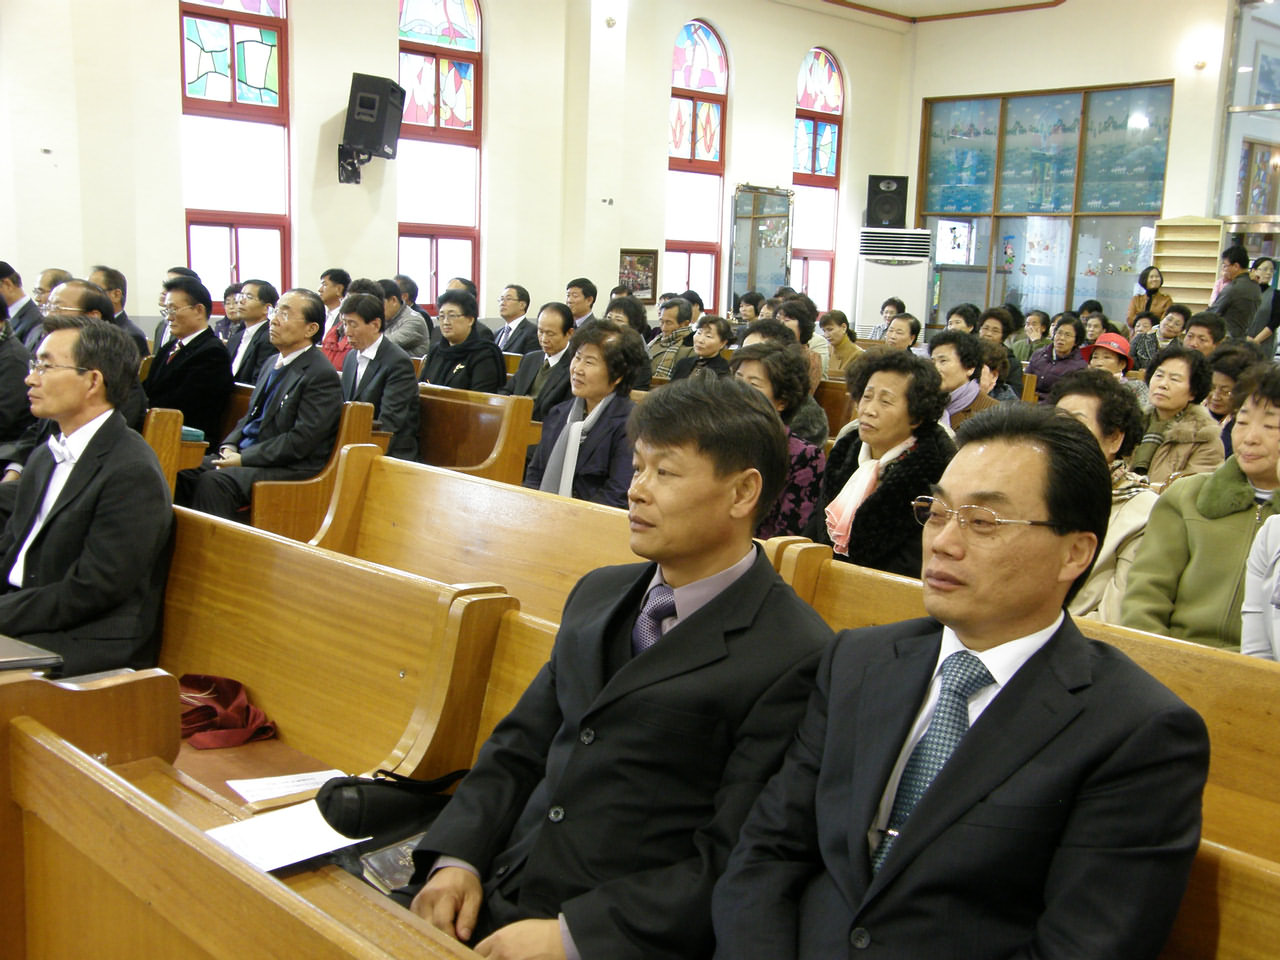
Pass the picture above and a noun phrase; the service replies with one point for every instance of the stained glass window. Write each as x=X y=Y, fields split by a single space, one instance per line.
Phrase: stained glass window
x=698 y=61
x=1038 y=166
x=456 y=94
x=706 y=144
x=960 y=174
x=802 y=160
x=1125 y=149
x=441 y=23
x=264 y=8
x=818 y=85
x=680 y=119
x=257 y=66
x=206 y=53
x=418 y=77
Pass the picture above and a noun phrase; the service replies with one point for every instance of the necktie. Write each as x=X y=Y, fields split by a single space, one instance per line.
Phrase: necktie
x=61 y=452
x=539 y=379
x=660 y=604
x=963 y=675
x=177 y=345
x=503 y=334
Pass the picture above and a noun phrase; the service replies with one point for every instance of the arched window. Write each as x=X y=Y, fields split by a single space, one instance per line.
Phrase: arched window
x=695 y=166
x=235 y=105
x=438 y=157
x=816 y=175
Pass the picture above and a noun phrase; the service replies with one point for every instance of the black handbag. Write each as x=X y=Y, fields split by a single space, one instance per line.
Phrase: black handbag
x=386 y=803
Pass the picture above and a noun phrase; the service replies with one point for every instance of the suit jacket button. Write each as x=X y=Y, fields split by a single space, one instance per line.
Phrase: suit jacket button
x=502 y=870
x=587 y=735
x=860 y=938
x=555 y=814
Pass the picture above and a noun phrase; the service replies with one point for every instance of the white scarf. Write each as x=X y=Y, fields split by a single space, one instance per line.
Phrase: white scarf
x=563 y=461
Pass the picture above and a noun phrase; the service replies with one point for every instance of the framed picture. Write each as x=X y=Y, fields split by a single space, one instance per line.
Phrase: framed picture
x=638 y=269
x=1266 y=73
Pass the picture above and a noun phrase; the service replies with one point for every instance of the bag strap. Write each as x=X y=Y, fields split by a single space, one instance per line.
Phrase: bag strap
x=438 y=785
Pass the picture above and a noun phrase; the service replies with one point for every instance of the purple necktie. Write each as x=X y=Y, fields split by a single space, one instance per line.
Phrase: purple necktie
x=660 y=604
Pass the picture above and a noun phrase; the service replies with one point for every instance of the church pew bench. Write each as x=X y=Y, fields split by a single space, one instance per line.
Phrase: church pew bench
x=294 y=508
x=163 y=432
x=1029 y=388
x=522 y=645
x=833 y=397
x=359 y=666
x=512 y=361
x=144 y=367
x=237 y=407
x=481 y=434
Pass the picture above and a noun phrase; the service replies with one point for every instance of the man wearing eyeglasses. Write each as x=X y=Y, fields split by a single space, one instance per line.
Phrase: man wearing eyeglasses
x=517 y=333
x=84 y=551
x=985 y=779
x=24 y=313
x=250 y=347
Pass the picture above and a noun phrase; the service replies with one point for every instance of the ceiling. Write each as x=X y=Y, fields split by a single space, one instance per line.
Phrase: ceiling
x=922 y=11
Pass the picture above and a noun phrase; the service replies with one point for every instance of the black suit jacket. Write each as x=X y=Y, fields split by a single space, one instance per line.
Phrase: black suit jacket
x=390 y=384
x=555 y=388
x=613 y=796
x=15 y=409
x=523 y=338
x=604 y=468
x=93 y=580
x=259 y=351
x=28 y=324
x=197 y=381
x=139 y=338
x=301 y=421
x=1064 y=825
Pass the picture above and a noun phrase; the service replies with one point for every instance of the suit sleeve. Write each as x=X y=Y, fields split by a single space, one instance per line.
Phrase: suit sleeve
x=1152 y=589
x=398 y=410
x=663 y=912
x=15 y=409
x=315 y=422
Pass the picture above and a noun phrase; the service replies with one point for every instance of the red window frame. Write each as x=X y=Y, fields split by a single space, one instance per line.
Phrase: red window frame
x=691 y=164
x=806 y=256
x=232 y=220
x=692 y=246
x=429 y=288
x=816 y=179
x=236 y=110
x=417 y=131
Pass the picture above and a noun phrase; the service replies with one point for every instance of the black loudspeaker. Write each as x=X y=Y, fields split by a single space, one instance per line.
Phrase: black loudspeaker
x=373 y=115
x=886 y=201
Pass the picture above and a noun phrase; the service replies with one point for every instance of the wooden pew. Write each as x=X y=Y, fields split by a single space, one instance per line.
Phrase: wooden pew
x=358 y=665
x=512 y=361
x=144 y=367
x=294 y=508
x=481 y=434
x=163 y=432
x=1029 y=388
x=455 y=527
x=237 y=407
x=833 y=397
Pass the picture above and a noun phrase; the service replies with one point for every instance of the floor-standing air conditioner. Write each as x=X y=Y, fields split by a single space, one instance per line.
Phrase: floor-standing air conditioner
x=892 y=263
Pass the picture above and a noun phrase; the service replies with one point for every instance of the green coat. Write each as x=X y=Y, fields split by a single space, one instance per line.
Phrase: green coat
x=1188 y=578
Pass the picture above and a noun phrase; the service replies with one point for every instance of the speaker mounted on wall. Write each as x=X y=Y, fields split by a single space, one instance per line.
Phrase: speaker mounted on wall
x=372 y=128
x=886 y=201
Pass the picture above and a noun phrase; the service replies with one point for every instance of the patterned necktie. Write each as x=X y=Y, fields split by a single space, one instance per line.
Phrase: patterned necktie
x=963 y=675
x=503 y=336
x=177 y=345
x=660 y=604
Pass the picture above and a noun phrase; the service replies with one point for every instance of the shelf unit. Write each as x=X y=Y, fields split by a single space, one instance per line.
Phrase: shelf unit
x=1188 y=251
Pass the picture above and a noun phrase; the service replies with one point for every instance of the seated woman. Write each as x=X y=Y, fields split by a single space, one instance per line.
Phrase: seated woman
x=835 y=327
x=584 y=452
x=1188 y=579
x=1111 y=412
x=1050 y=364
x=1110 y=353
x=1150 y=300
x=710 y=336
x=896 y=455
x=1226 y=364
x=1179 y=436
x=628 y=311
x=1036 y=328
x=781 y=373
x=463 y=359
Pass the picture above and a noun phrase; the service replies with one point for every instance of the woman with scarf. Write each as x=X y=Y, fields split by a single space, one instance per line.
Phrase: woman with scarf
x=584 y=452
x=897 y=453
x=463 y=359
x=1179 y=436
x=1050 y=364
x=957 y=356
x=1150 y=299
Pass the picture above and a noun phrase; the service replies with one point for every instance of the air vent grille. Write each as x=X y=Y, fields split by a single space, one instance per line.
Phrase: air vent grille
x=888 y=244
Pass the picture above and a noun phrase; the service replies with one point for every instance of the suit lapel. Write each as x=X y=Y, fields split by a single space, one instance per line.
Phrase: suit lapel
x=86 y=468
x=349 y=371
x=288 y=381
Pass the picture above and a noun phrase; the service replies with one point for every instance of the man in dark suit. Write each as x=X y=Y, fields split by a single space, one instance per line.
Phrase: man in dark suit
x=250 y=347
x=378 y=371
x=161 y=336
x=600 y=810
x=85 y=549
x=15 y=411
x=985 y=782
x=580 y=295
x=544 y=374
x=517 y=334
x=117 y=289
x=292 y=421
x=24 y=314
x=192 y=371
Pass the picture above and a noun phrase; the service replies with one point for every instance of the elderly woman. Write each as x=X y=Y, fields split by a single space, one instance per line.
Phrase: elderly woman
x=897 y=453
x=1036 y=328
x=1050 y=364
x=584 y=452
x=1188 y=580
x=1179 y=436
x=781 y=373
x=1150 y=299
x=463 y=359
x=1099 y=401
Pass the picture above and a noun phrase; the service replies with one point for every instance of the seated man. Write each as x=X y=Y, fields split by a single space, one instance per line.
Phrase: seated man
x=598 y=813
x=1205 y=331
x=15 y=411
x=544 y=374
x=85 y=549
x=292 y=421
x=192 y=371
x=377 y=371
x=1065 y=821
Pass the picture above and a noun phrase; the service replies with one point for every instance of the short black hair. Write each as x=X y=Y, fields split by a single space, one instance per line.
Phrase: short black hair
x=787 y=369
x=185 y=272
x=408 y=288
x=266 y=292
x=723 y=330
x=368 y=308
x=231 y=291
x=365 y=285
x=90 y=298
x=693 y=297
x=784 y=291
x=1076 y=324
x=995 y=356
x=968 y=312
x=724 y=418
x=684 y=311
x=1149 y=314
x=339 y=276
x=1015 y=313
x=1078 y=494
x=771 y=330
x=838 y=318
x=587 y=288
x=313 y=311
x=911 y=322
x=8 y=273
x=1233 y=359
x=1001 y=315
x=752 y=297
x=1118 y=408
x=967 y=346
x=1182 y=310
x=465 y=302
x=803 y=311
x=1260 y=381
x=1146 y=273
x=562 y=311
x=113 y=279
x=621 y=290
x=1236 y=254
x=1200 y=379
x=392 y=289
x=632 y=309
x=467 y=285
x=104 y=347
x=622 y=348
x=925 y=397
x=1089 y=306
x=1216 y=326
x=195 y=290
x=895 y=303
x=521 y=293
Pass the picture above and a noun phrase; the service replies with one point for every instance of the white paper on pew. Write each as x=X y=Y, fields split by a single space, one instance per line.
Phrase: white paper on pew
x=268 y=788
x=281 y=837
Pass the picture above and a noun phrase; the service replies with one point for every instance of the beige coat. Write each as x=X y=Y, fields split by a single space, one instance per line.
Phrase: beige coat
x=1099 y=598
x=1191 y=445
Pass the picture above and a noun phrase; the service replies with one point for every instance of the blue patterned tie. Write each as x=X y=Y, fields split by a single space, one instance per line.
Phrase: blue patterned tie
x=963 y=675
x=660 y=604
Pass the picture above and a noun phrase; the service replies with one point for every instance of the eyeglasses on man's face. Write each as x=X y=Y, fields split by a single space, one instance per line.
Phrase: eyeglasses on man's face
x=41 y=367
x=934 y=514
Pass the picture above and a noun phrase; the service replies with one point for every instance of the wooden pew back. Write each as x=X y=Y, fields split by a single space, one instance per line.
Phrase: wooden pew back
x=237 y=407
x=163 y=432
x=482 y=434
x=522 y=647
x=833 y=397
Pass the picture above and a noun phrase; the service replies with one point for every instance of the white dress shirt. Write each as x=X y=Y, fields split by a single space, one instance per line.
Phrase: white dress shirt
x=362 y=360
x=244 y=346
x=511 y=329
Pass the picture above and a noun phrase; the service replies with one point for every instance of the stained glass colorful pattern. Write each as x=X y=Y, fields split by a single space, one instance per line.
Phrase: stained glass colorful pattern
x=680 y=126
x=206 y=53
x=961 y=166
x=442 y=23
x=418 y=77
x=706 y=142
x=257 y=66
x=802 y=151
x=1038 y=166
x=818 y=85
x=828 y=141
x=1125 y=149
x=265 y=8
x=698 y=61
x=457 y=94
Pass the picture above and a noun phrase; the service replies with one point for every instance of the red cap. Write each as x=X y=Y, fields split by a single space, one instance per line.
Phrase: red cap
x=1113 y=342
